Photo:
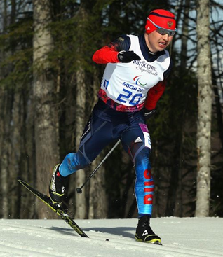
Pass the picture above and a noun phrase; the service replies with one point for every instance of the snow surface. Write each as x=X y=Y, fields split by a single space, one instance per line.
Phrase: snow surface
x=181 y=237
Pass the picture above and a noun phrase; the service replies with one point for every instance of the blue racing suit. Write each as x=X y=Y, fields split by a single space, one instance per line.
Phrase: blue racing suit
x=119 y=112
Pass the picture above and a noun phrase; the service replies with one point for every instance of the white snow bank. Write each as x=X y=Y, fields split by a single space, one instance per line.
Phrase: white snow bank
x=181 y=237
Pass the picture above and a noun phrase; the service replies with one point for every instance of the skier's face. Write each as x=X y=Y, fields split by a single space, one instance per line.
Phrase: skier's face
x=156 y=41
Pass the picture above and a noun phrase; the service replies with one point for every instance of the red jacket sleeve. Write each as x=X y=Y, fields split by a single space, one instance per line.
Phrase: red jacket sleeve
x=105 y=55
x=154 y=95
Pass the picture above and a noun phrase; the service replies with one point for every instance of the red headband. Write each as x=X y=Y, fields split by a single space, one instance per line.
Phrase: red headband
x=161 y=18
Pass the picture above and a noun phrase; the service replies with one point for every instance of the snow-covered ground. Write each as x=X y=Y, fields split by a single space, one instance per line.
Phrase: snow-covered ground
x=181 y=237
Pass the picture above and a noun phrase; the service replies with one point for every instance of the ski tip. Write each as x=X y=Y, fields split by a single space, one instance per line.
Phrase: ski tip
x=21 y=181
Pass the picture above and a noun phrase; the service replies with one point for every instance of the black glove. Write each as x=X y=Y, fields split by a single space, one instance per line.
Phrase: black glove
x=149 y=113
x=128 y=56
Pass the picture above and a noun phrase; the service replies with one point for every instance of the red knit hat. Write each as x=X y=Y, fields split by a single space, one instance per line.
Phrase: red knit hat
x=161 y=18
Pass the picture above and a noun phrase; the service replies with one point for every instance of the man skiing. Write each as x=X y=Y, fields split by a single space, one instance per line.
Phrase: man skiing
x=134 y=79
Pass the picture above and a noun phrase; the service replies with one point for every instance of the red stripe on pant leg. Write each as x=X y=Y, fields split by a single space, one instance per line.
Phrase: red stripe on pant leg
x=149 y=183
x=147 y=174
x=148 y=199
x=146 y=189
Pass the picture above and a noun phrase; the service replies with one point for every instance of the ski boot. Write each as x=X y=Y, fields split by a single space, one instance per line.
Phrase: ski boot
x=58 y=188
x=144 y=232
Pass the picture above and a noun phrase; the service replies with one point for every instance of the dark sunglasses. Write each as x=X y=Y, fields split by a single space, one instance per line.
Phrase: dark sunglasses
x=163 y=31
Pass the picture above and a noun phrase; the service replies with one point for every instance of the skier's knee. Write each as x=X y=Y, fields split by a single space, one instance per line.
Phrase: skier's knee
x=138 y=148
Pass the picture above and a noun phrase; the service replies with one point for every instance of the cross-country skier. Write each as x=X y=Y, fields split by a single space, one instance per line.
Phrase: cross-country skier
x=134 y=79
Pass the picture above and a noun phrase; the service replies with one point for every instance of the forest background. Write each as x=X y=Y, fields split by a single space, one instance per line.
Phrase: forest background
x=49 y=84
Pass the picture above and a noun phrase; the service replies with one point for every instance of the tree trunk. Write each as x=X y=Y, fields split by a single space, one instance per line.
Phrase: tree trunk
x=180 y=138
x=81 y=208
x=204 y=109
x=28 y=167
x=46 y=117
x=17 y=132
x=97 y=194
x=81 y=201
x=5 y=122
x=6 y=107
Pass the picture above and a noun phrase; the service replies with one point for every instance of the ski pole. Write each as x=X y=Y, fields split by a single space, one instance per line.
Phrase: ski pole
x=79 y=190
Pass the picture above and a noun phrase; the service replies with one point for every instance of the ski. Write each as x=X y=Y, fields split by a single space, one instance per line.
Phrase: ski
x=62 y=214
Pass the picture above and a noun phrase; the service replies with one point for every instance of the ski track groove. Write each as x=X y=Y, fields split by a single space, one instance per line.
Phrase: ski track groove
x=158 y=248
x=45 y=230
x=115 y=242
x=20 y=250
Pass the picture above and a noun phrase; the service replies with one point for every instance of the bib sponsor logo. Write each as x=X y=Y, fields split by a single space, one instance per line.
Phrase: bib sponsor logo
x=132 y=87
x=145 y=66
x=138 y=80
